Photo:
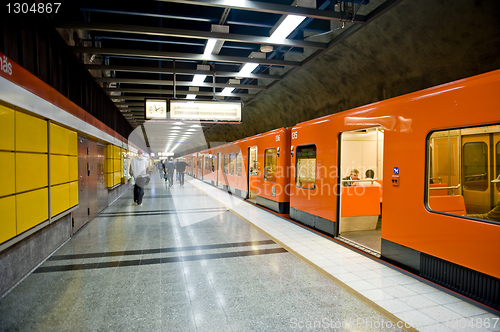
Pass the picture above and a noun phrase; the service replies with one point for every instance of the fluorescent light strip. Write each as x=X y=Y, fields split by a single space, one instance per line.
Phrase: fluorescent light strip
x=247 y=69
x=227 y=91
x=198 y=79
x=287 y=26
x=210 y=46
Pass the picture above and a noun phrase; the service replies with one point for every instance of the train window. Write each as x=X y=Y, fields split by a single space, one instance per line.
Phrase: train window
x=231 y=163
x=498 y=159
x=270 y=164
x=306 y=166
x=239 y=164
x=461 y=163
x=476 y=166
x=226 y=163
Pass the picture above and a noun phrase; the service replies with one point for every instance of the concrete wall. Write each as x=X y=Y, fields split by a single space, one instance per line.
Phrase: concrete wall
x=416 y=45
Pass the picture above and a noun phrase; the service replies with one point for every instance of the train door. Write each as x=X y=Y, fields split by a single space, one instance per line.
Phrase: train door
x=252 y=174
x=480 y=155
x=361 y=165
x=81 y=215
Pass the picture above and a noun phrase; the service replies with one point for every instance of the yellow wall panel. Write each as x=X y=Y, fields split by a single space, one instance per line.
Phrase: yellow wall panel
x=109 y=180
x=6 y=128
x=59 y=169
x=108 y=165
x=73 y=168
x=117 y=178
x=59 y=199
x=72 y=143
x=109 y=151
x=73 y=193
x=58 y=140
x=31 y=171
x=31 y=133
x=8 y=169
x=32 y=209
x=117 y=165
x=8 y=220
x=116 y=154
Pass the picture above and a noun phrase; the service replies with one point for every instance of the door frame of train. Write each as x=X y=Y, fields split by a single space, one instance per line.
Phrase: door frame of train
x=249 y=175
x=379 y=160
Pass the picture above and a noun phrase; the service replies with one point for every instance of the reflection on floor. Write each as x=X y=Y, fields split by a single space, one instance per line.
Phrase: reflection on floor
x=368 y=238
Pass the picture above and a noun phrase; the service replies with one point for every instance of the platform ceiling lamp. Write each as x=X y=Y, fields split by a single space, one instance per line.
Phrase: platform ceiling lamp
x=288 y=23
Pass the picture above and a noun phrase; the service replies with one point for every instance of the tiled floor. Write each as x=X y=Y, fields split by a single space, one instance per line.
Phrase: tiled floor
x=184 y=262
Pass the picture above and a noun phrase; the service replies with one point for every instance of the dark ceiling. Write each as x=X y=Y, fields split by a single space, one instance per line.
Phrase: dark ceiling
x=145 y=49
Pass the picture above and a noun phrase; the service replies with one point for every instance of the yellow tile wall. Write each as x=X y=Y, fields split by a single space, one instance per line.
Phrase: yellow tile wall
x=7 y=126
x=24 y=191
x=31 y=171
x=73 y=193
x=73 y=143
x=73 y=168
x=59 y=169
x=31 y=133
x=7 y=168
x=32 y=208
x=59 y=143
x=8 y=220
x=59 y=199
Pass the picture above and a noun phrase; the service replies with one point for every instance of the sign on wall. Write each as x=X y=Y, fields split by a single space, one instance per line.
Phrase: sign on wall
x=205 y=110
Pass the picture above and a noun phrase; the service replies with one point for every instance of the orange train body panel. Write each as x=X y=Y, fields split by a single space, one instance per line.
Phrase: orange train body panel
x=407 y=121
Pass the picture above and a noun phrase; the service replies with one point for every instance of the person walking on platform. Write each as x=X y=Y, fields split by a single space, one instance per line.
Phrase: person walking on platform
x=161 y=169
x=180 y=166
x=170 y=168
x=138 y=169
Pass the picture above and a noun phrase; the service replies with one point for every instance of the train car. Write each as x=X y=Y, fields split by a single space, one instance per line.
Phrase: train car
x=255 y=168
x=433 y=155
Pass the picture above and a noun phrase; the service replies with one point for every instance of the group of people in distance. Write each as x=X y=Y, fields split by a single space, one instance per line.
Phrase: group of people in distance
x=169 y=167
x=139 y=170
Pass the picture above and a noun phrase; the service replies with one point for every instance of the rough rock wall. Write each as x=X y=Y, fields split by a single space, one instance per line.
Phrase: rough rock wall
x=416 y=45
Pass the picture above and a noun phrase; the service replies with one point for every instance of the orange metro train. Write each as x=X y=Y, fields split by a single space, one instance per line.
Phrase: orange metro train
x=433 y=155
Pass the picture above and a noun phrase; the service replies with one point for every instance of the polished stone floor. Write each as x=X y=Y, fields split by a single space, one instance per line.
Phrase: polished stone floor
x=180 y=262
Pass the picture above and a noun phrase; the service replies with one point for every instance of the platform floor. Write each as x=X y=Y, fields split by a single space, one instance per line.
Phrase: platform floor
x=194 y=258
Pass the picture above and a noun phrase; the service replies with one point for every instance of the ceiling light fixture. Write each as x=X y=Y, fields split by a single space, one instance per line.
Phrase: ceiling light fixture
x=266 y=48
x=209 y=47
x=199 y=79
x=287 y=26
x=191 y=96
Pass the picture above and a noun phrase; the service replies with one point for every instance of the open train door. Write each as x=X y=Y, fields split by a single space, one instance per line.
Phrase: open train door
x=252 y=174
x=481 y=164
x=359 y=215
